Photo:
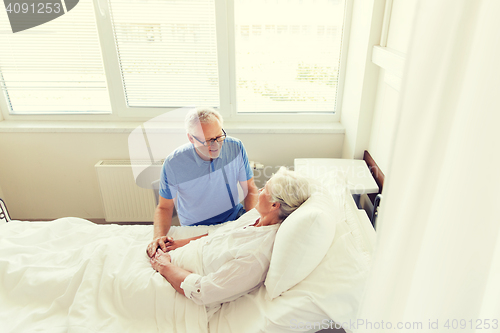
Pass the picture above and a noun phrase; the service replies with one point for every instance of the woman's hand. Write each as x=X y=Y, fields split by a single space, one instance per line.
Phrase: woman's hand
x=162 y=263
x=160 y=260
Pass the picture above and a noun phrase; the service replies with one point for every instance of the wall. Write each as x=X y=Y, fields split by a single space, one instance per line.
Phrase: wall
x=376 y=130
x=385 y=114
x=51 y=175
x=361 y=76
x=1 y=192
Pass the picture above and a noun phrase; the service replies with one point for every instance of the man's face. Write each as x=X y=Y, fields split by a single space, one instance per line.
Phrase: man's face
x=206 y=132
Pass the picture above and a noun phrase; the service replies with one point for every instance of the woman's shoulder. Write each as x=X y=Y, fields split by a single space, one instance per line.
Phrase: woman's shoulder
x=248 y=218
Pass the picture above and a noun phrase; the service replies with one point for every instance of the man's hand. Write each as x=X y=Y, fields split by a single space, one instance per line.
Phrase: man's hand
x=161 y=243
x=166 y=244
x=160 y=260
x=174 y=244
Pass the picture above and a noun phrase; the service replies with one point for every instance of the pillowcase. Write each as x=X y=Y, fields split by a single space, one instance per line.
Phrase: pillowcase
x=303 y=239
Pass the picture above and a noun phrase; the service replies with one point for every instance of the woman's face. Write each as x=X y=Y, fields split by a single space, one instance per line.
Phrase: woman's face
x=264 y=203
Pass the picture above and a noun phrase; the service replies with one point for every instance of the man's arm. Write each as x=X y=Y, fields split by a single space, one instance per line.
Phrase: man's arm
x=162 y=223
x=251 y=194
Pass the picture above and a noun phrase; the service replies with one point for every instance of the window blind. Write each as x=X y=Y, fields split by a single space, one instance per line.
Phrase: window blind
x=288 y=55
x=55 y=67
x=167 y=51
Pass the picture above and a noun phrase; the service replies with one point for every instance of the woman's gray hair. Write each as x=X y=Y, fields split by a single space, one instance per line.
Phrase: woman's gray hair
x=289 y=189
x=201 y=115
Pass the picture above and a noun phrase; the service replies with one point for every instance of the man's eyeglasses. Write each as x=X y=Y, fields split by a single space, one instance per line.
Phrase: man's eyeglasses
x=210 y=142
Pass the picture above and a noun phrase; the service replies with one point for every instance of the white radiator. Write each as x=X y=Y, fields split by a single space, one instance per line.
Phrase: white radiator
x=123 y=200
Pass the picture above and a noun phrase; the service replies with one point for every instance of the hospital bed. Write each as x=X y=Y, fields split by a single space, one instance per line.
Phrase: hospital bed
x=71 y=275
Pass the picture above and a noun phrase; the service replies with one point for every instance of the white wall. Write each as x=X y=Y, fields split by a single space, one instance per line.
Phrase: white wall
x=51 y=175
x=400 y=25
x=361 y=76
x=385 y=114
x=1 y=192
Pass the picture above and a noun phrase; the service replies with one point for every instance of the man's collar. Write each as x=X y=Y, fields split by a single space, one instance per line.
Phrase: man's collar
x=199 y=161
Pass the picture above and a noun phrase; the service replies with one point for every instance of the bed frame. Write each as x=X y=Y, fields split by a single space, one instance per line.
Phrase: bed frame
x=379 y=177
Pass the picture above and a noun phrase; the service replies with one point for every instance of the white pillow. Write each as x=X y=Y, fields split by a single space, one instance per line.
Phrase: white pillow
x=336 y=285
x=302 y=240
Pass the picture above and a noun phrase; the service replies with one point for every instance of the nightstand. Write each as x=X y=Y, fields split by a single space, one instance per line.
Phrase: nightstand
x=359 y=178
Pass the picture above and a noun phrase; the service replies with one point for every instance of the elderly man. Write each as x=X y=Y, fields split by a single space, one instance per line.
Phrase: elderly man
x=202 y=176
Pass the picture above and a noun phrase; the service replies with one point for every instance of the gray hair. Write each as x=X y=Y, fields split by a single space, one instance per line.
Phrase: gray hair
x=201 y=115
x=289 y=189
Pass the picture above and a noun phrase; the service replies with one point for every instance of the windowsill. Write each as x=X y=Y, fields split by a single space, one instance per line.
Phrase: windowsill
x=127 y=127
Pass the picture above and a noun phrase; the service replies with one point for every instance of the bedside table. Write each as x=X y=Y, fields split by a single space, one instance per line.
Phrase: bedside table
x=359 y=178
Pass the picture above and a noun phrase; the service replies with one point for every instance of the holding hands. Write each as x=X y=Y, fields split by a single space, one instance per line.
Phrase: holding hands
x=158 y=243
x=165 y=244
x=160 y=260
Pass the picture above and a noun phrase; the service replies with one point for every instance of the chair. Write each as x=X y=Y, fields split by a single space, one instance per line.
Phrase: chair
x=4 y=213
x=376 y=205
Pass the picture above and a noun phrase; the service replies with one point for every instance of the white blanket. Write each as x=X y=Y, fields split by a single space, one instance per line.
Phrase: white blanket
x=71 y=275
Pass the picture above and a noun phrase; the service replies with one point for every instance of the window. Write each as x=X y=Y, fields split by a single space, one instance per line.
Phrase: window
x=55 y=67
x=167 y=52
x=295 y=70
x=132 y=57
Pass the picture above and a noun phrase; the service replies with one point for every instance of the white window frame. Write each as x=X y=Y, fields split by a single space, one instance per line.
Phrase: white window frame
x=224 y=12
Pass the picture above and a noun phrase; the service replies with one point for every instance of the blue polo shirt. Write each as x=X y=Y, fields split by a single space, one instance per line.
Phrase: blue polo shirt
x=200 y=186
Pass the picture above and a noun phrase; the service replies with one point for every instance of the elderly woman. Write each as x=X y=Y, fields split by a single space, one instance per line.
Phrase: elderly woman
x=233 y=259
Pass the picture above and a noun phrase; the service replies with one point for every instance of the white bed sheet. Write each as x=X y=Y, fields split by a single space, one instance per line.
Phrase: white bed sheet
x=70 y=275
